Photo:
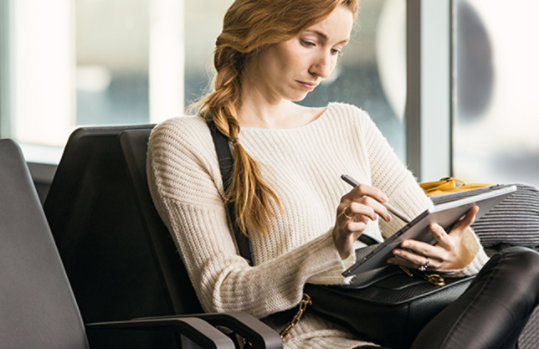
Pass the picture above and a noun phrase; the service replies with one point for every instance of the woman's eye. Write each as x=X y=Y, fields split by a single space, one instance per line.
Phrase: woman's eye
x=307 y=43
x=335 y=51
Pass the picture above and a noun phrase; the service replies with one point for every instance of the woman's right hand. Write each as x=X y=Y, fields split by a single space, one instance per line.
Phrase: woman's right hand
x=361 y=205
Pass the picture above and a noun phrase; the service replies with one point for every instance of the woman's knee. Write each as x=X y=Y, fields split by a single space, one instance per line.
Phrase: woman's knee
x=522 y=259
x=519 y=268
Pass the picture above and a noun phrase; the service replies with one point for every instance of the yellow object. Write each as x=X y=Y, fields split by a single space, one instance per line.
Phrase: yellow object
x=449 y=185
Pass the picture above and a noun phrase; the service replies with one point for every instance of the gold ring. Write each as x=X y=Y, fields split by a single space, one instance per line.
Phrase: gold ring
x=425 y=266
x=344 y=212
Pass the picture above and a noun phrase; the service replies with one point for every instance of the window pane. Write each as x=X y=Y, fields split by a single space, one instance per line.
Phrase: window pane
x=496 y=120
x=42 y=63
x=203 y=19
x=370 y=74
x=75 y=63
x=112 y=39
x=85 y=62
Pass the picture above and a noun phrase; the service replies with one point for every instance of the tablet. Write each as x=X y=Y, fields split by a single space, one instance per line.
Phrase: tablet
x=446 y=212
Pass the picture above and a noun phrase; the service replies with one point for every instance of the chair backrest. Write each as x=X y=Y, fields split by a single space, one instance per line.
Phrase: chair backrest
x=134 y=144
x=120 y=262
x=92 y=213
x=37 y=307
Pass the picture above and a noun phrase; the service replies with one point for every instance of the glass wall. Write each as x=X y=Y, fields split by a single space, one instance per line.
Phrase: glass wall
x=496 y=118
x=96 y=62
x=111 y=41
x=90 y=62
x=75 y=63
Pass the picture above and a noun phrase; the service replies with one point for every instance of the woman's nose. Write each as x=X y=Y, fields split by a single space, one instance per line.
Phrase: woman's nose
x=323 y=66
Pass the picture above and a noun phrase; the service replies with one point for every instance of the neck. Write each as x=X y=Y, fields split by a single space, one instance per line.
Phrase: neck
x=260 y=107
x=266 y=115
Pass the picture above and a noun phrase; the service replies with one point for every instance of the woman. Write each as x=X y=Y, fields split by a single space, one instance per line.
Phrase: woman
x=303 y=221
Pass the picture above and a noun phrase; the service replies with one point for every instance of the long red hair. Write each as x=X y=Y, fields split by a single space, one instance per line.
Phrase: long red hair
x=249 y=26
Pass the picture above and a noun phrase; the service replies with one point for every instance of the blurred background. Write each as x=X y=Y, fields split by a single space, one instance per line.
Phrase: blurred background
x=70 y=63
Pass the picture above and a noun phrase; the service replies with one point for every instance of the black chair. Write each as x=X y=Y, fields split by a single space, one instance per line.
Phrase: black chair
x=38 y=309
x=134 y=145
x=180 y=294
x=101 y=214
x=119 y=257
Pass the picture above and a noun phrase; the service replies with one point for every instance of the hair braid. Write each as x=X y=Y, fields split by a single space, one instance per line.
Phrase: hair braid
x=248 y=191
x=251 y=25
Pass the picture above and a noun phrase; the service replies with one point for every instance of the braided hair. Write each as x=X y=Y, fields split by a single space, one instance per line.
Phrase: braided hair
x=248 y=27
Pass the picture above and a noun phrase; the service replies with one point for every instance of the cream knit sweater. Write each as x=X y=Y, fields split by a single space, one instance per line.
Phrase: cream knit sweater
x=302 y=165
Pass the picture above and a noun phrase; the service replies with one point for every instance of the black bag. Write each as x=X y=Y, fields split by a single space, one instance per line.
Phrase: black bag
x=388 y=306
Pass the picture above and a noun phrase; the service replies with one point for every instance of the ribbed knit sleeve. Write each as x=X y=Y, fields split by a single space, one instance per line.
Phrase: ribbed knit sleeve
x=187 y=190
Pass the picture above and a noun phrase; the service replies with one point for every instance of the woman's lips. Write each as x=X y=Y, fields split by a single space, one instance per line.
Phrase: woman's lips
x=308 y=85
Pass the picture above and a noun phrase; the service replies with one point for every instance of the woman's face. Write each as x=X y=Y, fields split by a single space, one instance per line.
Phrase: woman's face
x=291 y=69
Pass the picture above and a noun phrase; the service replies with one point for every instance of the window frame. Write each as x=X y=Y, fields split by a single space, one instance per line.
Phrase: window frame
x=5 y=61
x=428 y=111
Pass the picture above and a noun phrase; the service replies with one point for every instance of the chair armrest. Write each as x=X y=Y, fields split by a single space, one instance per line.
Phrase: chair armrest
x=247 y=326
x=196 y=329
x=260 y=335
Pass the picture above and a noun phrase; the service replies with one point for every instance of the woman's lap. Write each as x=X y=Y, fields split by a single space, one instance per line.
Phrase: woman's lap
x=494 y=309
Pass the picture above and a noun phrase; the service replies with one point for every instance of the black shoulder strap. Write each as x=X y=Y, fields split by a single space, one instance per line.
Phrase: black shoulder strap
x=226 y=163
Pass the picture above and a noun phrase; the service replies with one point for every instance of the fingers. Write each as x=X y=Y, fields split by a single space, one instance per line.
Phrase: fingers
x=366 y=190
x=404 y=262
x=352 y=224
x=422 y=248
x=440 y=235
x=345 y=234
x=367 y=208
x=365 y=200
x=348 y=228
x=446 y=254
x=417 y=252
x=458 y=229
x=414 y=260
x=361 y=205
x=468 y=219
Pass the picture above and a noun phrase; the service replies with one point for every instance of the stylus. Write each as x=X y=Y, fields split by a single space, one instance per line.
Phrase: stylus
x=391 y=209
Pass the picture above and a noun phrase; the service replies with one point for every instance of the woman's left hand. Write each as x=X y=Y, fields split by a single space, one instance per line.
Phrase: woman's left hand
x=449 y=253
